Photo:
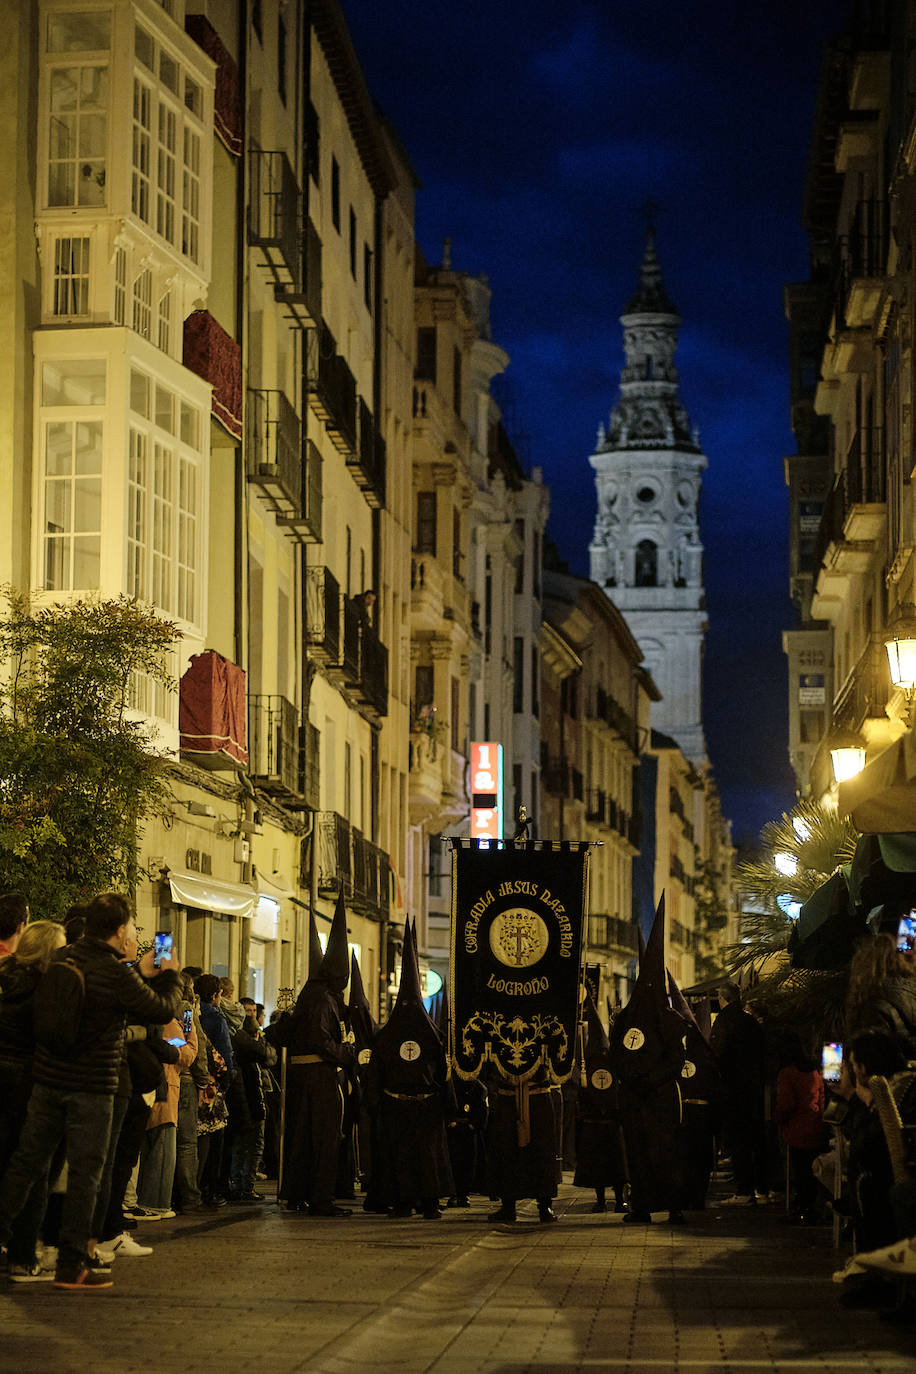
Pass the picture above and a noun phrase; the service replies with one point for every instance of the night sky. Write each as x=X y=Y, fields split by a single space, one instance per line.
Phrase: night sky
x=539 y=131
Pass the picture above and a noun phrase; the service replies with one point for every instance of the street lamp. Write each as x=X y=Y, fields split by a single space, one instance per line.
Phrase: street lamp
x=848 y=755
x=901 y=654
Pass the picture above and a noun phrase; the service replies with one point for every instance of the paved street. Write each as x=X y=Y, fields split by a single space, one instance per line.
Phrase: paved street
x=257 y=1289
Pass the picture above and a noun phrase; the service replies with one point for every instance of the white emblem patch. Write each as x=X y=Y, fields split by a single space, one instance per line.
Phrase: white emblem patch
x=634 y=1039
x=410 y=1050
x=688 y=1070
x=601 y=1079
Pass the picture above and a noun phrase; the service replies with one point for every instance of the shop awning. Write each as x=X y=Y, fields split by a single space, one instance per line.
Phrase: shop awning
x=230 y=899
x=827 y=928
x=882 y=798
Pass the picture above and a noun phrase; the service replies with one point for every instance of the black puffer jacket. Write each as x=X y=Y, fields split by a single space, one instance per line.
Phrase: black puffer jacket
x=114 y=993
x=17 y=1037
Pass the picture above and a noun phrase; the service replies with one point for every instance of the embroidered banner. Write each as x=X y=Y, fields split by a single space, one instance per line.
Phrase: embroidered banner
x=518 y=914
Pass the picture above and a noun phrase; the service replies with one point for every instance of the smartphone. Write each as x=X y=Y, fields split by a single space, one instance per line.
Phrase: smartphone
x=176 y=1040
x=832 y=1061
x=906 y=933
x=163 y=941
x=187 y=1021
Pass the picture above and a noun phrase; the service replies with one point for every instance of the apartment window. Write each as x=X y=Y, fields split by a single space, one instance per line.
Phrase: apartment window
x=165 y=321
x=78 y=135
x=71 y=438
x=367 y=275
x=518 y=674
x=71 y=276
x=456 y=714
x=79 y=32
x=120 y=286
x=190 y=197
x=167 y=147
x=426 y=353
x=456 y=543
x=426 y=522
x=281 y=57
x=164 y=499
x=352 y=243
x=424 y=685
x=142 y=145
x=335 y=193
x=456 y=380
x=166 y=172
x=143 y=304
x=520 y=561
x=535 y=679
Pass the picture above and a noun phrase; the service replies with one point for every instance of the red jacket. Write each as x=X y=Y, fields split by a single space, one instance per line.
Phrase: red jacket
x=799 y=1110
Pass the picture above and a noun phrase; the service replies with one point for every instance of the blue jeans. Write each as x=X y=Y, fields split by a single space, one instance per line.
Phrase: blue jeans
x=83 y=1121
x=186 y=1191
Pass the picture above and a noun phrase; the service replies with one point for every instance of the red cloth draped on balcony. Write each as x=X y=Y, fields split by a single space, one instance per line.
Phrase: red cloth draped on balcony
x=227 y=104
x=214 y=355
x=211 y=709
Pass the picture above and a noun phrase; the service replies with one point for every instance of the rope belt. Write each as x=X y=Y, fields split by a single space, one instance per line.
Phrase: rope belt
x=696 y=1101
x=408 y=1097
x=522 y=1114
x=309 y=1059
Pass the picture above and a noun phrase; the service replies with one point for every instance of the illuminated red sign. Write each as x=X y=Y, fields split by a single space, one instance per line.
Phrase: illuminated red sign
x=487 y=791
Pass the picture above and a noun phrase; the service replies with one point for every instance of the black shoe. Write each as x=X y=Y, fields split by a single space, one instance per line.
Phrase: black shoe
x=547 y=1214
x=637 y=1219
x=597 y=1207
x=452 y=1202
x=330 y=1212
x=676 y=1217
x=505 y=1213
x=463 y=1201
x=400 y=1213
x=431 y=1214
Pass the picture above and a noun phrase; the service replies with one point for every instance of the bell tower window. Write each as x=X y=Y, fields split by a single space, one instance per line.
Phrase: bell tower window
x=646 y=564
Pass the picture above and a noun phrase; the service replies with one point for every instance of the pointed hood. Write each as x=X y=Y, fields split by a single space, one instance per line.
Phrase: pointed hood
x=646 y=1038
x=335 y=966
x=408 y=1048
x=699 y=1079
x=704 y=1018
x=596 y=1035
x=362 y=1022
x=316 y=953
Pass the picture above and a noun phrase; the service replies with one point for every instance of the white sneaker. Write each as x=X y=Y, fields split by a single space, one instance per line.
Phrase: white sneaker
x=106 y=1253
x=849 y=1270
x=160 y=1213
x=126 y=1245
x=738 y=1200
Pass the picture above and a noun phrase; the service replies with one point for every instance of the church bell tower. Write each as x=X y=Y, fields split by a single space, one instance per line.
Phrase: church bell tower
x=646 y=549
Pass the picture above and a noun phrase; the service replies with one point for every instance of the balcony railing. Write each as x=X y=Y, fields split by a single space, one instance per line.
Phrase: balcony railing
x=274 y=450
x=596 y=806
x=211 y=353
x=867 y=688
x=302 y=301
x=865 y=475
x=368 y=462
x=275 y=217
x=608 y=711
x=311 y=776
x=349 y=662
x=275 y=748
x=373 y=671
x=322 y=615
x=348 y=861
x=332 y=390
x=307 y=525
x=610 y=932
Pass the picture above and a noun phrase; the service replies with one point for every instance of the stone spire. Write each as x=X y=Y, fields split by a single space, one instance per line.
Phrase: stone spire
x=646 y=548
x=649 y=413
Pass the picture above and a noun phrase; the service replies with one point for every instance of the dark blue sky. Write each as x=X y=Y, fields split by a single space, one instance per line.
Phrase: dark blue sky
x=538 y=131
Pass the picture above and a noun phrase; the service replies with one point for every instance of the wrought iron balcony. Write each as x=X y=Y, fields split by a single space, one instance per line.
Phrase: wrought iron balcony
x=866 y=690
x=332 y=390
x=274 y=450
x=307 y=525
x=275 y=217
x=596 y=806
x=373 y=672
x=311 y=775
x=275 y=748
x=611 y=933
x=350 y=616
x=335 y=854
x=368 y=462
x=322 y=615
x=302 y=301
x=349 y=862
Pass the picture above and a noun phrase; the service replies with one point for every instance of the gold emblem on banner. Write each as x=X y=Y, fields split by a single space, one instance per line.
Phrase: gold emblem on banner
x=518 y=937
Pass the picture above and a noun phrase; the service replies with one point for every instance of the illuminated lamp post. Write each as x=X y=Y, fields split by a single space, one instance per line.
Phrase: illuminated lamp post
x=901 y=658
x=847 y=755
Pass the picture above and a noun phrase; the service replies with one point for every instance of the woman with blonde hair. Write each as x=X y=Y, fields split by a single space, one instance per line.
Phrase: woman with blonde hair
x=20 y=974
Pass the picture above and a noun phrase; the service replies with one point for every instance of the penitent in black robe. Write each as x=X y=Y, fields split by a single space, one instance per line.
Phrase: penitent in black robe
x=315 y=1098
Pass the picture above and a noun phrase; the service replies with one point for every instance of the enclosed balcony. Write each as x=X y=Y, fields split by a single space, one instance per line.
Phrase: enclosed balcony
x=275 y=218
x=322 y=615
x=274 y=451
x=276 y=748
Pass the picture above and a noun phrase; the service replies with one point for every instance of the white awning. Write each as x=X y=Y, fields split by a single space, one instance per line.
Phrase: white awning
x=231 y=899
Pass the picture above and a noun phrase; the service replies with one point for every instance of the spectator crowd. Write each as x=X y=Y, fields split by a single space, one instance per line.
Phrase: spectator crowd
x=132 y=1090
